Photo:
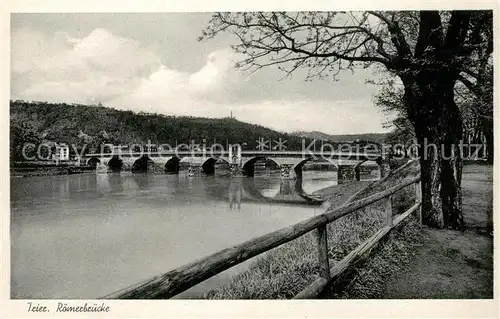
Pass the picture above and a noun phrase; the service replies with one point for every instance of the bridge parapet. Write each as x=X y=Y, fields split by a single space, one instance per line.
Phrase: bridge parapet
x=235 y=156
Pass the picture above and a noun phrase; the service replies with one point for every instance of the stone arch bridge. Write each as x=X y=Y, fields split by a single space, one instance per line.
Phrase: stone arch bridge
x=235 y=162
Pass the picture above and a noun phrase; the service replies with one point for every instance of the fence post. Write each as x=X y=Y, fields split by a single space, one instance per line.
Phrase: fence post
x=324 y=267
x=418 y=199
x=388 y=211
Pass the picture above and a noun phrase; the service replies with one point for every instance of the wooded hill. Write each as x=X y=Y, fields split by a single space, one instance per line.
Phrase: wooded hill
x=37 y=122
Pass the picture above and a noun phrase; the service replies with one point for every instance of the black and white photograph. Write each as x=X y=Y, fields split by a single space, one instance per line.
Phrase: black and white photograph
x=249 y=155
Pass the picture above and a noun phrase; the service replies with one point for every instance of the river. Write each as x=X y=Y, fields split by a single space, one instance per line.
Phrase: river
x=88 y=235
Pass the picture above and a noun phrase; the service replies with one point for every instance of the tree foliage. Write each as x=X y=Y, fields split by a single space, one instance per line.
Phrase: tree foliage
x=473 y=94
x=22 y=134
x=477 y=113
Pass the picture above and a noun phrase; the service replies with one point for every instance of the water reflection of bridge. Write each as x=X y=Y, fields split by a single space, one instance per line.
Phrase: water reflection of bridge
x=234 y=190
x=269 y=191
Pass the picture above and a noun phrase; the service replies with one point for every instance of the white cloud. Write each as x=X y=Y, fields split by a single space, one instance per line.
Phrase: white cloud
x=216 y=75
x=112 y=55
x=97 y=67
x=32 y=51
x=119 y=72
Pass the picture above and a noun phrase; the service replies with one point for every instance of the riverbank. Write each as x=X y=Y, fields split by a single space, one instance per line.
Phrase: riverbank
x=338 y=194
x=284 y=271
x=16 y=172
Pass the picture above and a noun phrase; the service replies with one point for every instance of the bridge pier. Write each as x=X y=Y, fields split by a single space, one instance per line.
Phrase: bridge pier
x=192 y=170
x=126 y=167
x=157 y=168
x=346 y=173
x=235 y=170
x=288 y=171
x=102 y=168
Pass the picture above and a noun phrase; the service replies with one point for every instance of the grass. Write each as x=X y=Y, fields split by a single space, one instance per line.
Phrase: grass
x=393 y=255
x=284 y=271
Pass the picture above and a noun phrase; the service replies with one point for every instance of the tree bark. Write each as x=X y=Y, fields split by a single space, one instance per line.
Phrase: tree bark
x=438 y=128
x=488 y=132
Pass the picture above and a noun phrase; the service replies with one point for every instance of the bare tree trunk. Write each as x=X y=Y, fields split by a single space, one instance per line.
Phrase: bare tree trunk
x=489 y=141
x=438 y=127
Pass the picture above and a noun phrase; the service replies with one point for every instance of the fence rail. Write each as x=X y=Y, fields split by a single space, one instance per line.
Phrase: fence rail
x=180 y=279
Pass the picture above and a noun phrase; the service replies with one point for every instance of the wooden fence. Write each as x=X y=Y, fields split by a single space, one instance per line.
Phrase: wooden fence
x=178 y=280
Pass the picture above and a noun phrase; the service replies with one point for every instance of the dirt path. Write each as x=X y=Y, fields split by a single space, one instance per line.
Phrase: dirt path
x=454 y=264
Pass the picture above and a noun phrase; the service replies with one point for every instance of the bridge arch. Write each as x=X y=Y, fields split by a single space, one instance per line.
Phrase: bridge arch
x=249 y=168
x=299 y=166
x=169 y=165
x=357 y=169
x=172 y=165
x=115 y=164
x=208 y=166
x=143 y=164
x=93 y=161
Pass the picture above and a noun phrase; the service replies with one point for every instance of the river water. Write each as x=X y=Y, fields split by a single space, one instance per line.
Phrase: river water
x=85 y=236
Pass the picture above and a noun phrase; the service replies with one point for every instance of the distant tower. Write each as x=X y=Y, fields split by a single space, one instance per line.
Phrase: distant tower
x=231 y=113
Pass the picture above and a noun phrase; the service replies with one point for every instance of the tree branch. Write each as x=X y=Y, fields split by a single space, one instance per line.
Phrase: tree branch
x=397 y=36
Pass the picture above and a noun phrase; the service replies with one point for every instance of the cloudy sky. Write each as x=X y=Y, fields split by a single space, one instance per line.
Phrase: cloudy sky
x=153 y=63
